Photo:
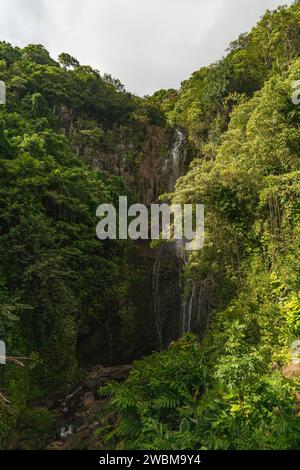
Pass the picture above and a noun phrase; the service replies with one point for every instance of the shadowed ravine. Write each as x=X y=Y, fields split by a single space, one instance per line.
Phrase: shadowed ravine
x=169 y=307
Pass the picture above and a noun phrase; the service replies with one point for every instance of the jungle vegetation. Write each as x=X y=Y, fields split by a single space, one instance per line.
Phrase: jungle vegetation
x=227 y=391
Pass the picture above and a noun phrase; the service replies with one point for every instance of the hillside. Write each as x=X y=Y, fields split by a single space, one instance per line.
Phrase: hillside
x=72 y=138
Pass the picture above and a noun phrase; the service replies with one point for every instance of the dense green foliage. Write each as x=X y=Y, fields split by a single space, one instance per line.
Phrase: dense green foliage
x=229 y=391
x=58 y=282
x=56 y=278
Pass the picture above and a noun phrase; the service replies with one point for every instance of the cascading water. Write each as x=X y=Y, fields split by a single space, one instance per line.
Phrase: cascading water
x=189 y=314
x=194 y=307
x=190 y=311
x=176 y=158
x=70 y=402
x=187 y=310
x=166 y=286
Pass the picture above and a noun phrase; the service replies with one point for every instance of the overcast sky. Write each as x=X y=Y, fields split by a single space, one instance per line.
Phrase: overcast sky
x=147 y=44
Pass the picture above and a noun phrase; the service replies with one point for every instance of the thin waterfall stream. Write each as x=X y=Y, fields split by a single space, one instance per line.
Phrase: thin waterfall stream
x=187 y=309
x=163 y=293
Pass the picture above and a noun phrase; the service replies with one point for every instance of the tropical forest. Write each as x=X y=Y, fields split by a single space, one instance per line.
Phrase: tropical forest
x=136 y=344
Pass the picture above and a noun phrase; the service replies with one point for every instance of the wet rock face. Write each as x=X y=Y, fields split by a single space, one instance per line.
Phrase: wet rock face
x=163 y=162
x=156 y=295
x=157 y=287
x=139 y=156
x=155 y=291
x=150 y=161
x=98 y=376
x=166 y=295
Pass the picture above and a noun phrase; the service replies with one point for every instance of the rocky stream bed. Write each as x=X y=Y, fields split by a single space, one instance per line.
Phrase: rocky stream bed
x=81 y=412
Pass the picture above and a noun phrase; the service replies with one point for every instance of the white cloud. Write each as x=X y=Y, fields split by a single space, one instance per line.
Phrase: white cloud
x=147 y=44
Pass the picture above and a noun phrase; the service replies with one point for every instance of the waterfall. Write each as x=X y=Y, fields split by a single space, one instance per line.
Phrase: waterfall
x=191 y=307
x=156 y=300
x=70 y=402
x=167 y=317
x=176 y=155
x=66 y=431
x=187 y=310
